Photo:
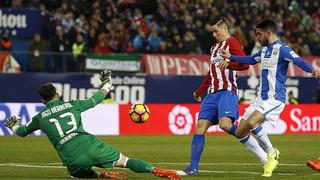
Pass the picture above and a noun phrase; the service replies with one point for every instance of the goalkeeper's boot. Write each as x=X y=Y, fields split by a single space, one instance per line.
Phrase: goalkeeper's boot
x=314 y=164
x=164 y=173
x=188 y=171
x=113 y=175
x=271 y=164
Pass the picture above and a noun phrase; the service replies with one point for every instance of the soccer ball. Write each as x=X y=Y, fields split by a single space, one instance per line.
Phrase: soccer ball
x=139 y=113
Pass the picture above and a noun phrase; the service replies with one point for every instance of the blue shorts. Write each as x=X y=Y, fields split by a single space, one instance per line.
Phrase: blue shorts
x=218 y=105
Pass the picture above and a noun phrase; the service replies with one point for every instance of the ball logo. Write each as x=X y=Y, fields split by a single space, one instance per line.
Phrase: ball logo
x=180 y=120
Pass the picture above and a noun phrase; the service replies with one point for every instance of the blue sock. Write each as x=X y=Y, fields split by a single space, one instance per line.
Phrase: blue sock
x=196 y=150
x=233 y=129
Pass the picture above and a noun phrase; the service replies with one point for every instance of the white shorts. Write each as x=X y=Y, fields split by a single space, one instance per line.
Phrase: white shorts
x=270 y=108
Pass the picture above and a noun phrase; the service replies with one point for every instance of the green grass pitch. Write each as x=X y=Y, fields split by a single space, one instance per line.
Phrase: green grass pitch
x=223 y=157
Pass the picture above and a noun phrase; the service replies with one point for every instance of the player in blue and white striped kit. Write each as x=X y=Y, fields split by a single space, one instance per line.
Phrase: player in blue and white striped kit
x=274 y=57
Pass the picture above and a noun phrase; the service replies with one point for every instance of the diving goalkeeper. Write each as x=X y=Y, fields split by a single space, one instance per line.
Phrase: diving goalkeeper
x=79 y=150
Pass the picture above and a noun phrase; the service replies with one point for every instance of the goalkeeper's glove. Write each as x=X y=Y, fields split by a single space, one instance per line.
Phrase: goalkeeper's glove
x=106 y=82
x=13 y=123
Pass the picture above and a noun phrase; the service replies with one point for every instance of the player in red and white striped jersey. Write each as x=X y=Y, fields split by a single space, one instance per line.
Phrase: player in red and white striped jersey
x=223 y=79
x=220 y=106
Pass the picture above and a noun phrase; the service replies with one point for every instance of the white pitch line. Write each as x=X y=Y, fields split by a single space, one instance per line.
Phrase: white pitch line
x=243 y=172
x=230 y=164
x=30 y=165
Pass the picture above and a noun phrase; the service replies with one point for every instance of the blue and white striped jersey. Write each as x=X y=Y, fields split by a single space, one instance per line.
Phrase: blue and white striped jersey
x=274 y=60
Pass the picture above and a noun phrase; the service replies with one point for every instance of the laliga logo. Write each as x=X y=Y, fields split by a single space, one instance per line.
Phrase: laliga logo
x=180 y=120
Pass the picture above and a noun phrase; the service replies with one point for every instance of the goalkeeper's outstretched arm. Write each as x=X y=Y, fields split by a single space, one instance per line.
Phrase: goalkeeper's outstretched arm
x=98 y=97
x=13 y=123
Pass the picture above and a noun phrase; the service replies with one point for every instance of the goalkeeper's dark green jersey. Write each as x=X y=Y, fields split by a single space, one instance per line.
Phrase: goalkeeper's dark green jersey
x=61 y=122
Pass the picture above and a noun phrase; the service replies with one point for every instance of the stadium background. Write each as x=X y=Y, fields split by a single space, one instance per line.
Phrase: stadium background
x=158 y=51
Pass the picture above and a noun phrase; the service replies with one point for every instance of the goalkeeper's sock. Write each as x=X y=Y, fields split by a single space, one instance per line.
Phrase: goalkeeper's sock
x=232 y=130
x=196 y=150
x=253 y=146
x=139 y=166
x=262 y=136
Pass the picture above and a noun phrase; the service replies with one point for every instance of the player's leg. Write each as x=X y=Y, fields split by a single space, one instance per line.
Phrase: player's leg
x=134 y=165
x=248 y=141
x=208 y=113
x=82 y=168
x=243 y=130
x=197 y=147
x=251 y=144
x=228 y=113
x=228 y=126
x=253 y=122
x=198 y=143
x=104 y=156
x=140 y=166
x=268 y=110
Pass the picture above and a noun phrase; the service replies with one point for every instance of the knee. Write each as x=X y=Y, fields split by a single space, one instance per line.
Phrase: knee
x=200 y=129
x=226 y=126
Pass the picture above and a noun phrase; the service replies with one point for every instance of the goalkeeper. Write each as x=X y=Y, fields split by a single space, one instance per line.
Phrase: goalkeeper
x=79 y=150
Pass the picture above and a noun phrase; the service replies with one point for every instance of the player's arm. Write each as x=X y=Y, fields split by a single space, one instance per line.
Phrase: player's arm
x=244 y=59
x=237 y=66
x=203 y=87
x=289 y=55
x=236 y=49
x=94 y=100
x=98 y=97
x=254 y=59
x=13 y=123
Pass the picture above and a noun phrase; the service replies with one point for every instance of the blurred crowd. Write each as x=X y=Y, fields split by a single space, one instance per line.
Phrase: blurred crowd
x=165 y=26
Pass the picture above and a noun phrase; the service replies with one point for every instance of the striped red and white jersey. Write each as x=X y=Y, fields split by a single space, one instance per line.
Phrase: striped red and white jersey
x=217 y=79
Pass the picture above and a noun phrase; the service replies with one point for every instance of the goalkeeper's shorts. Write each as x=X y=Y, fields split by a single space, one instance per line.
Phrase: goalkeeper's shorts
x=99 y=155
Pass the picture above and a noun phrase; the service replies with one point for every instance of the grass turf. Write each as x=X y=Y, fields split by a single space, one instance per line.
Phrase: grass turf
x=223 y=156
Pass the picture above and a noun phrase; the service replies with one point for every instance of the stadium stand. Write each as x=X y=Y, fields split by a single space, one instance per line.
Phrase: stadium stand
x=168 y=27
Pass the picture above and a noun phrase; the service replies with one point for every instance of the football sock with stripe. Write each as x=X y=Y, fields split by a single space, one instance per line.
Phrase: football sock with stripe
x=262 y=136
x=253 y=146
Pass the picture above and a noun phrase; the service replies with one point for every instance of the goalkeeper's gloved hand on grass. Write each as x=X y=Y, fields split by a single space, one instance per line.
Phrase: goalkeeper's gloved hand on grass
x=106 y=82
x=13 y=122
